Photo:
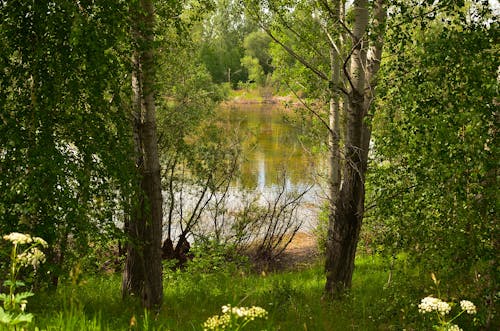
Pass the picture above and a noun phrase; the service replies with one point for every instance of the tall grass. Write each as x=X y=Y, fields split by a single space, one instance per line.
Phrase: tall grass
x=293 y=300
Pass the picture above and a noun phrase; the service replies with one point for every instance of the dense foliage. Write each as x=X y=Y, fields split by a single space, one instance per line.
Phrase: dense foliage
x=435 y=177
x=64 y=130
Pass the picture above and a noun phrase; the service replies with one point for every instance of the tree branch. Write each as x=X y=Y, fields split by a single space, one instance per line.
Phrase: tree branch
x=299 y=58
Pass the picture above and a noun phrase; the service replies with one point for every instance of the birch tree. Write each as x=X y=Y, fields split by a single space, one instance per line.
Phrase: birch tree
x=353 y=52
x=347 y=216
x=142 y=276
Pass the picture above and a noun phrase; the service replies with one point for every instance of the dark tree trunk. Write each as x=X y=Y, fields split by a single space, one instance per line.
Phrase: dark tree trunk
x=142 y=276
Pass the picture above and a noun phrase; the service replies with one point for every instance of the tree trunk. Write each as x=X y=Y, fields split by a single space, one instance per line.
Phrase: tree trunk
x=345 y=224
x=348 y=213
x=142 y=276
x=334 y=137
x=358 y=72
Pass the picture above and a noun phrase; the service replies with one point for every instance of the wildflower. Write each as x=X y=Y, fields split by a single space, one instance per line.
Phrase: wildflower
x=18 y=238
x=468 y=306
x=34 y=257
x=239 y=312
x=443 y=307
x=232 y=315
x=428 y=304
x=217 y=322
x=40 y=241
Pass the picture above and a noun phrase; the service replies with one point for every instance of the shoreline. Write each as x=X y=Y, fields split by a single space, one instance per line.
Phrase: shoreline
x=252 y=99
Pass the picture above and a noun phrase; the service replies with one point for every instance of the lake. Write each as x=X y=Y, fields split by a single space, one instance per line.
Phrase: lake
x=271 y=147
x=272 y=154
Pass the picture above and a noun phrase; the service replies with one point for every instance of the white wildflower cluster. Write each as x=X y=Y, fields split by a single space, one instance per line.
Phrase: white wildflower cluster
x=468 y=306
x=40 y=241
x=217 y=322
x=245 y=312
x=453 y=327
x=236 y=315
x=33 y=257
x=429 y=304
x=20 y=238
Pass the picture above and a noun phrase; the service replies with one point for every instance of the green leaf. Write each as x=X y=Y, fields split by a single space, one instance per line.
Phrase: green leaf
x=5 y=318
x=21 y=319
x=22 y=296
x=17 y=283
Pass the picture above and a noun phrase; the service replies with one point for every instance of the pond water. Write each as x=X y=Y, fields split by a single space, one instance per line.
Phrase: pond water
x=272 y=155
x=271 y=147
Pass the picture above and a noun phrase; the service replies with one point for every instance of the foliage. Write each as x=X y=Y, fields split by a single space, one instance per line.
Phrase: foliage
x=434 y=179
x=257 y=59
x=308 y=42
x=13 y=314
x=211 y=257
x=321 y=229
x=64 y=127
x=257 y=45
x=222 y=42
x=255 y=71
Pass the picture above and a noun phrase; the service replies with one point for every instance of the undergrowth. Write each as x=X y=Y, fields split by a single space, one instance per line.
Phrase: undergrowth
x=293 y=300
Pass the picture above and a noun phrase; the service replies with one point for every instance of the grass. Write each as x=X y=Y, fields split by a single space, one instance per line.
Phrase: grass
x=293 y=300
x=251 y=95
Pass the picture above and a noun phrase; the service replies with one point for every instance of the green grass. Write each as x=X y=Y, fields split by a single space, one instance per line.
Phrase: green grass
x=293 y=300
x=246 y=95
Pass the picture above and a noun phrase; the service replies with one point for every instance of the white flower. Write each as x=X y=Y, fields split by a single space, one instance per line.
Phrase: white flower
x=40 y=241
x=18 y=238
x=239 y=311
x=34 y=257
x=428 y=304
x=443 y=307
x=453 y=327
x=468 y=306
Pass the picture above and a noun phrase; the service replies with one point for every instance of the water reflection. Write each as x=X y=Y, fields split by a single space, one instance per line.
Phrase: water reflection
x=271 y=147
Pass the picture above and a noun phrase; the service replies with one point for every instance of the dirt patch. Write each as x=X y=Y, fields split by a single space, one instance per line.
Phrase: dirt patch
x=302 y=252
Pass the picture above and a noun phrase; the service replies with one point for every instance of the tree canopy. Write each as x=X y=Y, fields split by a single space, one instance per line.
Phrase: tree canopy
x=65 y=137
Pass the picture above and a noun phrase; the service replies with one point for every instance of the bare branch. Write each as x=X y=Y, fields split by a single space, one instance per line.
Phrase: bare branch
x=302 y=39
x=335 y=17
x=327 y=126
x=299 y=58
